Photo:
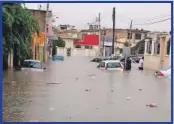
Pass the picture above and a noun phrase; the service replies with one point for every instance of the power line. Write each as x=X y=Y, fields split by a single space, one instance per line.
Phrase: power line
x=159 y=17
x=163 y=20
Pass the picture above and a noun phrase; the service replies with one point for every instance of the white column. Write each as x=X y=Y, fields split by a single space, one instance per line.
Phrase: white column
x=145 y=48
x=170 y=56
x=153 y=46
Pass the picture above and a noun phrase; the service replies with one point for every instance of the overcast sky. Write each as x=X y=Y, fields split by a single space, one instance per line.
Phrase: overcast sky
x=80 y=14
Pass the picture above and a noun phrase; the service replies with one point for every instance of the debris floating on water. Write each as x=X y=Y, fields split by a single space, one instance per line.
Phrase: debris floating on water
x=13 y=81
x=140 y=89
x=51 y=109
x=152 y=105
x=128 y=98
x=54 y=83
x=88 y=90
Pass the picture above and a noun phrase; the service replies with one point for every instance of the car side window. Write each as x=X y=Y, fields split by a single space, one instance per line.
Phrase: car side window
x=37 y=65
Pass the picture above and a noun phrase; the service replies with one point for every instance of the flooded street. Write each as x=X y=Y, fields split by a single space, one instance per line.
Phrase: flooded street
x=75 y=90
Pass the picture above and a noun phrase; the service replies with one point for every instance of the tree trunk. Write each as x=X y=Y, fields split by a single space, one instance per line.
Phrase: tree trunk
x=15 y=57
x=5 y=62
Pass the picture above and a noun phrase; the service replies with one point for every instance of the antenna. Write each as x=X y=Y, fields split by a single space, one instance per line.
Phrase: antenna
x=39 y=6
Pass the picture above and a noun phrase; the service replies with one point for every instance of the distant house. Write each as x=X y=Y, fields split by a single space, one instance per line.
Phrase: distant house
x=134 y=36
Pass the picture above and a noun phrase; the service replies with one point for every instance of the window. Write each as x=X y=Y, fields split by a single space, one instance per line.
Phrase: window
x=47 y=29
x=138 y=36
x=114 y=65
x=158 y=49
x=88 y=47
x=129 y=36
x=77 y=46
x=168 y=47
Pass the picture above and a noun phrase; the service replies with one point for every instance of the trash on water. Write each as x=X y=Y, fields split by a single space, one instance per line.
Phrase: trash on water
x=112 y=90
x=92 y=77
x=88 y=89
x=77 y=79
x=54 y=83
x=140 y=89
x=13 y=81
x=128 y=98
x=51 y=109
x=133 y=77
x=152 y=105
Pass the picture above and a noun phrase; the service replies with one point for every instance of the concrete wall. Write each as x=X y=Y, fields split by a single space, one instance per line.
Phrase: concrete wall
x=69 y=43
x=40 y=17
x=153 y=62
x=77 y=52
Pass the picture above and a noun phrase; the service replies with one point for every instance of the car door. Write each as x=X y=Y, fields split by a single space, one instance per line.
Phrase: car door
x=102 y=65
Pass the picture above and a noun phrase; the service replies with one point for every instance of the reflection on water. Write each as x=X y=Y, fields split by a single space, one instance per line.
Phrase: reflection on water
x=59 y=94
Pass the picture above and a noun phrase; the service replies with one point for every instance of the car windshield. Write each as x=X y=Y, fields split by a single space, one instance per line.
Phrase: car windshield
x=32 y=64
x=113 y=65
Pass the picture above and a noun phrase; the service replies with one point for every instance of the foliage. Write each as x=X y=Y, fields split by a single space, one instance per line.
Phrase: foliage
x=18 y=27
x=127 y=44
x=57 y=43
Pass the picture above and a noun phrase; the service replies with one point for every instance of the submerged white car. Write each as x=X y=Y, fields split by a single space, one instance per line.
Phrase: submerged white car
x=32 y=65
x=111 y=65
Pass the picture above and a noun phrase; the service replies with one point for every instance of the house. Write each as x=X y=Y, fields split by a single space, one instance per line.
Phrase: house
x=46 y=30
x=133 y=36
x=158 y=52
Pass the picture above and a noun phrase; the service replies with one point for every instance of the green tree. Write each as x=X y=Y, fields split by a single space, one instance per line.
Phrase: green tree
x=57 y=43
x=18 y=28
x=127 y=44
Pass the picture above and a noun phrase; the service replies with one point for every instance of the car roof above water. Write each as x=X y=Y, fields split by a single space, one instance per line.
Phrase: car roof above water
x=109 y=61
x=31 y=60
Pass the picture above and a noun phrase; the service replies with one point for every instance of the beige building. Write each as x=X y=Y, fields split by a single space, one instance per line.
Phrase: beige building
x=125 y=35
x=157 y=52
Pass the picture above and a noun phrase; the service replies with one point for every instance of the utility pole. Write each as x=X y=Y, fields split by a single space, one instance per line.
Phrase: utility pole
x=104 y=34
x=46 y=31
x=99 y=27
x=130 y=32
x=113 y=40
